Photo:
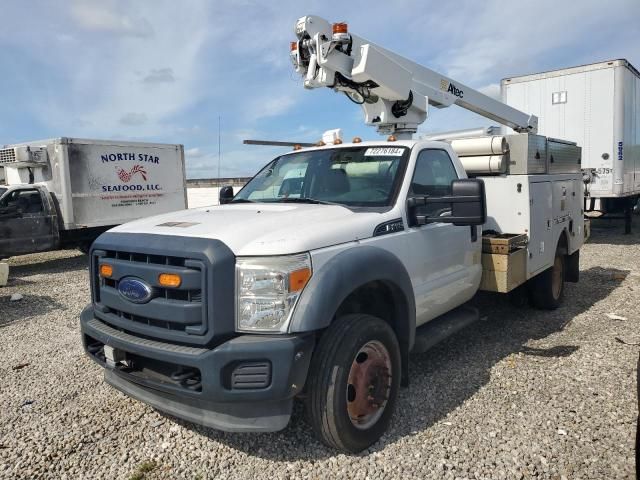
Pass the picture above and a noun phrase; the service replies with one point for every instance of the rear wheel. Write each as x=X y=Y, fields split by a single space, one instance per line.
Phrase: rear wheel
x=353 y=382
x=546 y=289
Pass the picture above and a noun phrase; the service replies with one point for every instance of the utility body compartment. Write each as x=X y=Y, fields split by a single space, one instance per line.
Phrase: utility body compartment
x=542 y=207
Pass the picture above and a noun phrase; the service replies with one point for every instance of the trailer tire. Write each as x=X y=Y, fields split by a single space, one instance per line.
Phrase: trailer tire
x=546 y=290
x=358 y=353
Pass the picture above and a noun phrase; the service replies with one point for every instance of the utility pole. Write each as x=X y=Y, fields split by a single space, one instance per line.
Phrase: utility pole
x=219 y=148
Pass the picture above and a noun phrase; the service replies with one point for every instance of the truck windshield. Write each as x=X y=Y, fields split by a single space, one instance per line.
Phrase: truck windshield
x=358 y=176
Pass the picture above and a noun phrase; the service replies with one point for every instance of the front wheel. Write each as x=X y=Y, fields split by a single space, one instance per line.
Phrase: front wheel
x=353 y=382
x=546 y=289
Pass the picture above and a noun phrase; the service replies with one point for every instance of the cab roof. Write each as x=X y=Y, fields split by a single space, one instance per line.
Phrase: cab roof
x=372 y=143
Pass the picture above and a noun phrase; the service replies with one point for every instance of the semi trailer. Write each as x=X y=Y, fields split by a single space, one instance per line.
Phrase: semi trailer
x=597 y=106
x=336 y=261
x=65 y=192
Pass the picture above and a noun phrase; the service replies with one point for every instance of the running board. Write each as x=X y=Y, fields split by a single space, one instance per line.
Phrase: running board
x=444 y=326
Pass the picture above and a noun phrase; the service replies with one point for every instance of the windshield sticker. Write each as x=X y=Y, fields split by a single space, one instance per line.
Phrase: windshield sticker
x=384 y=152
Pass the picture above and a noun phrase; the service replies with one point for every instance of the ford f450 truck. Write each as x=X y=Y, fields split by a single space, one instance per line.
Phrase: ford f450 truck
x=333 y=263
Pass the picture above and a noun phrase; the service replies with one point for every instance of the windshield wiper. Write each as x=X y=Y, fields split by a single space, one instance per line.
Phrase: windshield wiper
x=242 y=200
x=306 y=200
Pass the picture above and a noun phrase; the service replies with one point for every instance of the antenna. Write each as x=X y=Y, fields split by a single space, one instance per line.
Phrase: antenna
x=277 y=144
x=219 y=148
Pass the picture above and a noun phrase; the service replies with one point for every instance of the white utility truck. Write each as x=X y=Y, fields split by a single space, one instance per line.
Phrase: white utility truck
x=65 y=192
x=336 y=261
x=597 y=106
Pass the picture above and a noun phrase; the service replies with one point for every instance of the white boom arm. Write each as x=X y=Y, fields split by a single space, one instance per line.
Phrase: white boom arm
x=393 y=91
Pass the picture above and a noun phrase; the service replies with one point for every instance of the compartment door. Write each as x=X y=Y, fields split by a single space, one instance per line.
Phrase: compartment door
x=541 y=252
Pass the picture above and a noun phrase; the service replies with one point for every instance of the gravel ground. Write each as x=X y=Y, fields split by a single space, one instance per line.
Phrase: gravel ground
x=520 y=394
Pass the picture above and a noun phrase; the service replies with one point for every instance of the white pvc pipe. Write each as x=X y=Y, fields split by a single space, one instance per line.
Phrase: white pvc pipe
x=457 y=134
x=484 y=164
x=468 y=147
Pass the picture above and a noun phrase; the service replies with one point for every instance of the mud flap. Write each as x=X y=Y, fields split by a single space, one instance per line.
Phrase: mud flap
x=572 y=273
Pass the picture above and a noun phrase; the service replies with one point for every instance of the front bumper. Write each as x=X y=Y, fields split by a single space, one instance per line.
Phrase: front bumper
x=146 y=370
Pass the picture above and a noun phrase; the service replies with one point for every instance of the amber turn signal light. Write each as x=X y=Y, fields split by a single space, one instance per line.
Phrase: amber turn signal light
x=298 y=279
x=340 y=28
x=171 y=280
x=356 y=140
x=294 y=46
x=106 y=270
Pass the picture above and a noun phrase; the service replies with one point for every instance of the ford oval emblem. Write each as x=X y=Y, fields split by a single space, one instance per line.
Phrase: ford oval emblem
x=135 y=290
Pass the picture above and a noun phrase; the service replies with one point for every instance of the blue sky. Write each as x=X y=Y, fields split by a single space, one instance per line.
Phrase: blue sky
x=164 y=71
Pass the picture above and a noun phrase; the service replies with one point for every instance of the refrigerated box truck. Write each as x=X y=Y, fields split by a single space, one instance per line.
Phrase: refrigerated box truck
x=65 y=192
x=598 y=107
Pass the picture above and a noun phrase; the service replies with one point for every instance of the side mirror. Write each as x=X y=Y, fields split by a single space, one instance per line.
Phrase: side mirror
x=226 y=194
x=467 y=200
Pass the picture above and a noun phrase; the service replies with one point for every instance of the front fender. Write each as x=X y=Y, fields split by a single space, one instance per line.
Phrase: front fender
x=342 y=275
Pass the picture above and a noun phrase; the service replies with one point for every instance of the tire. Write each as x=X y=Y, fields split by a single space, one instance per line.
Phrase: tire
x=546 y=290
x=355 y=347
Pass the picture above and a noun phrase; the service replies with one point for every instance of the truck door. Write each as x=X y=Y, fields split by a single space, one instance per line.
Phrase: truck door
x=441 y=255
x=27 y=222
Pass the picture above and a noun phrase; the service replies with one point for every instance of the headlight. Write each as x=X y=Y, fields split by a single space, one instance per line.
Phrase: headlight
x=267 y=289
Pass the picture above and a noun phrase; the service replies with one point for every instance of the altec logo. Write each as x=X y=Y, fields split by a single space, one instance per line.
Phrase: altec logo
x=126 y=176
x=451 y=88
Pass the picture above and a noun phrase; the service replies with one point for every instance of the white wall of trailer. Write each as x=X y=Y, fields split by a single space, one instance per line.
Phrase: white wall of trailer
x=596 y=106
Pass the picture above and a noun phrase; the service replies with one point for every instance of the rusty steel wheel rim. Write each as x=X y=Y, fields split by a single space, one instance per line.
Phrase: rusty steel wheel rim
x=369 y=384
x=557 y=277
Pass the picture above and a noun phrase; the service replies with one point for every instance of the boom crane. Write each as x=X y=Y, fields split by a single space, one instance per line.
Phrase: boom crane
x=393 y=91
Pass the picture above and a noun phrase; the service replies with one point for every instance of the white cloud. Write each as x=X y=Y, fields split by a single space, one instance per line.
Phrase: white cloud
x=273 y=106
x=492 y=90
x=133 y=118
x=155 y=70
x=503 y=41
x=96 y=16
x=194 y=152
x=159 y=75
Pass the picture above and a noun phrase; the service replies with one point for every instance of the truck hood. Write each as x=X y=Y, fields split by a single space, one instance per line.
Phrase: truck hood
x=264 y=229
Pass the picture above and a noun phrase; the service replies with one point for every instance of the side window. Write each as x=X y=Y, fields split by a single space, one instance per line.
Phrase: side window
x=29 y=202
x=432 y=176
x=10 y=199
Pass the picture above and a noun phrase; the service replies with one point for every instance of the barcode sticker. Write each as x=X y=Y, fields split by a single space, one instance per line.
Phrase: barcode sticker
x=384 y=152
